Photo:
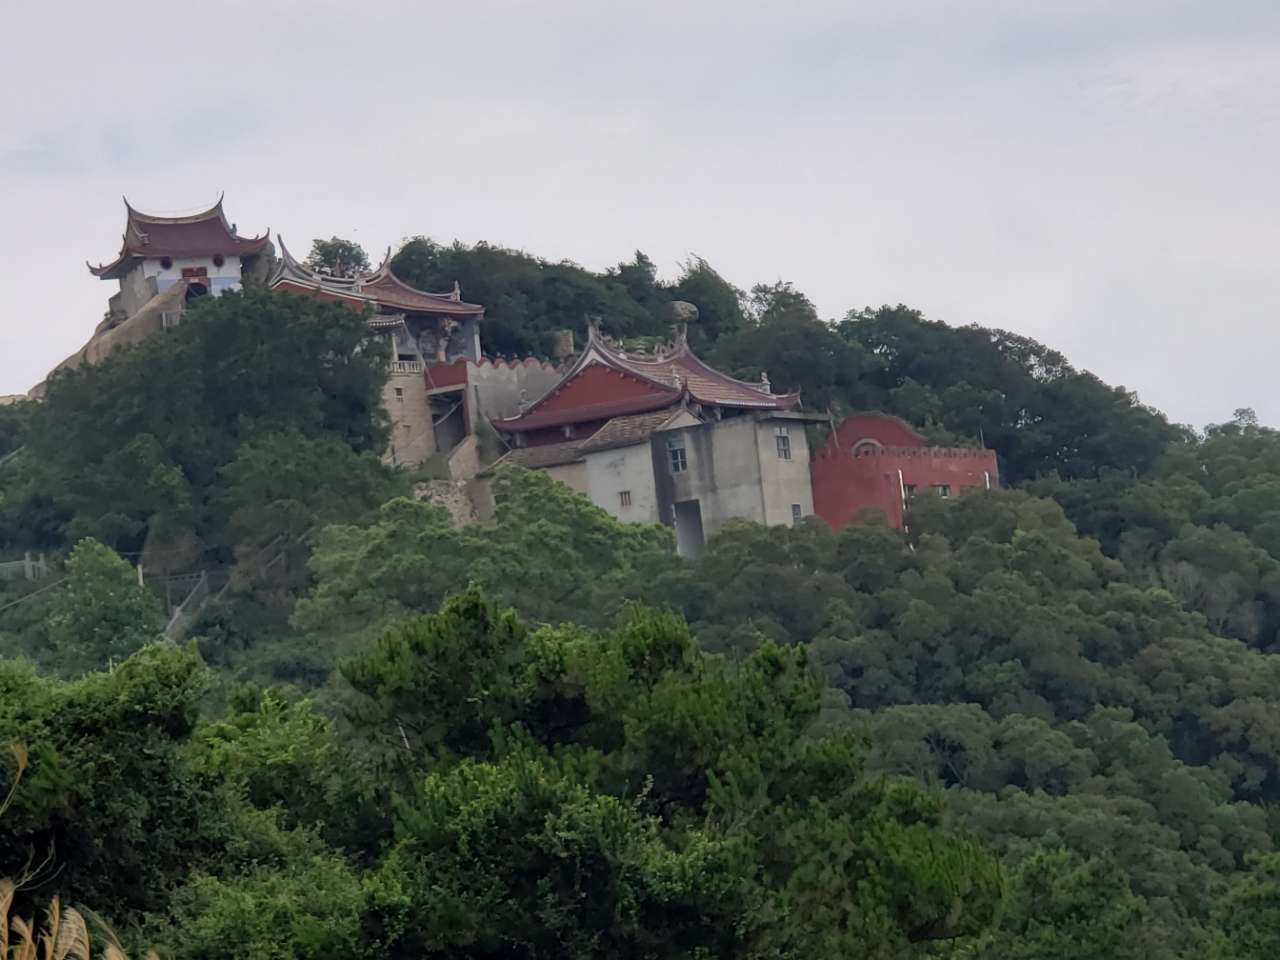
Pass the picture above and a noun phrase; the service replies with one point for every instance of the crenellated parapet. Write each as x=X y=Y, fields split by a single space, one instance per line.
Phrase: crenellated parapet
x=874 y=460
x=886 y=453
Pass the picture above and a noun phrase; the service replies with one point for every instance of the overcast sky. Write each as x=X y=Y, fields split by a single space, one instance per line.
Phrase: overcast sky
x=1099 y=176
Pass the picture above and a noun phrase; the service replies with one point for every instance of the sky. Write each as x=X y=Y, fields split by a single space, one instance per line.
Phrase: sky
x=1100 y=176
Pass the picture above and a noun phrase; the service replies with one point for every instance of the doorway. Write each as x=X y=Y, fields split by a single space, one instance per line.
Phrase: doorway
x=689 y=538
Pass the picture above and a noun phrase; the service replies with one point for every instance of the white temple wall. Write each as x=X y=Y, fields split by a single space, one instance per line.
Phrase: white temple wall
x=221 y=278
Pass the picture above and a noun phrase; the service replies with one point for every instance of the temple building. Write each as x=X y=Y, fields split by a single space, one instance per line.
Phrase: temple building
x=199 y=254
x=165 y=262
x=440 y=384
x=876 y=462
x=667 y=439
x=649 y=437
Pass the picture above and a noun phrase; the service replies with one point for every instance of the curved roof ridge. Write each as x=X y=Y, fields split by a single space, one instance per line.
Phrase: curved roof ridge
x=884 y=415
x=384 y=268
x=685 y=351
x=384 y=272
x=303 y=272
x=207 y=213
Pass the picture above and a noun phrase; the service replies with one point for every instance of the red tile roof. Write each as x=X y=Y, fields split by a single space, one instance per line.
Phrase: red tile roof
x=204 y=234
x=705 y=384
x=668 y=377
x=603 y=410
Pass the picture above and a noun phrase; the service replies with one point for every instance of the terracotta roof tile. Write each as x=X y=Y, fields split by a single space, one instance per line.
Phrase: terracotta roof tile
x=625 y=431
x=705 y=384
x=545 y=455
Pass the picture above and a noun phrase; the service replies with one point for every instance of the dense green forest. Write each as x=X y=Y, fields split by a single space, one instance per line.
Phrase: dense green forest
x=1044 y=723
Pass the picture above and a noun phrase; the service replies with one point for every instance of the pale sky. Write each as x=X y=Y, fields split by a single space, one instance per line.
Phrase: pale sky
x=1100 y=176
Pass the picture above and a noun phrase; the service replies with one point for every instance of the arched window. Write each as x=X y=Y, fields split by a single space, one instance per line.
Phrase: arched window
x=866 y=447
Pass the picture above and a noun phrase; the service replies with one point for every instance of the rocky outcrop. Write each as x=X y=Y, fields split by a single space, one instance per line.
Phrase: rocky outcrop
x=452 y=495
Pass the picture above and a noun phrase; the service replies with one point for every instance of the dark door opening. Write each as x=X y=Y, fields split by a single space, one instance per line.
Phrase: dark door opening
x=689 y=538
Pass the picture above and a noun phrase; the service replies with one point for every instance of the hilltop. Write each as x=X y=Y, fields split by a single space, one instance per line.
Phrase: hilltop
x=1039 y=721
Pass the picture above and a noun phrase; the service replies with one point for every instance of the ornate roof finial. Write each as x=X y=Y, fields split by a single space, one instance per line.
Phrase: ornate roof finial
x=457 y=292
x=764 y=382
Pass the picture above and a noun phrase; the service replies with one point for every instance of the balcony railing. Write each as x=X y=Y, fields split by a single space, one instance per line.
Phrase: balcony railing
x=406 y=366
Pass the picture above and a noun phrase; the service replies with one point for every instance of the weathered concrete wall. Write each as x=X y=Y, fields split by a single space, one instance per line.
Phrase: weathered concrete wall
x=495 y=388
x=405 y=398
x=630 y=469
x=784 y=483
x=464 y=459
x=723 y=472
x=136 y=288
x=734 y=472
x=480 y=490
x=572 y=475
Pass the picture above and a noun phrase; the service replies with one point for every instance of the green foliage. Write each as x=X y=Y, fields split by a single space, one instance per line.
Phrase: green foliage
x=1078 y=677
x=527 y=298
x=130 y=450
x=1248 y=914
x=102 y=613
x=999 y=655
x=14 y=420
x=795 y=349
x=309 y=907
x=1029 y=404
x=721 y=305
x=550 y=553
x=625 y=795
x=1060 y=906
x=338 y=257
x=109 y=799
x=282 y=487
x=1203 y=525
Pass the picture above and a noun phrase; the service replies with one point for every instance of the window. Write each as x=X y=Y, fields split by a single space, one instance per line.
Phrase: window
x=624 y=498
x=944 y=491
x=679 y=459
x=399 y=394
x=782 y=437
x=405 y=427
x=796 y=513
x=909 y=489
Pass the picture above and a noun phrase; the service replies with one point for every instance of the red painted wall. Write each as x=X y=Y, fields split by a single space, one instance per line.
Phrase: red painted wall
x=844 y=484
x=594 y=384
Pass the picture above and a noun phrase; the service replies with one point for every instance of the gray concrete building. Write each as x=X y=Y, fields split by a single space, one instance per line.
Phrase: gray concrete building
x=667 y=439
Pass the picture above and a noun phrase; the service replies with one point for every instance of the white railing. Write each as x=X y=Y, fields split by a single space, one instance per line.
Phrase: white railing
x=24 y=569
x=406 y=366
